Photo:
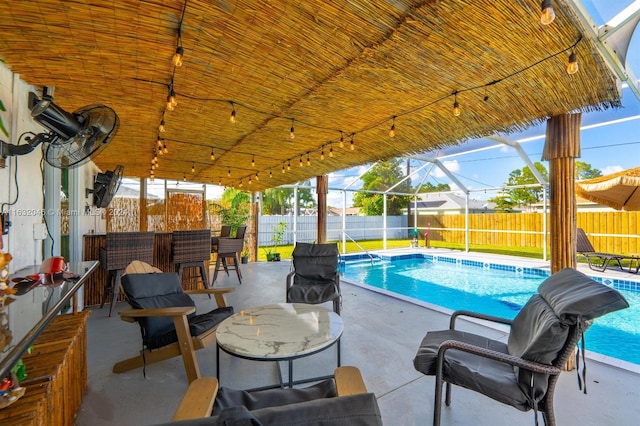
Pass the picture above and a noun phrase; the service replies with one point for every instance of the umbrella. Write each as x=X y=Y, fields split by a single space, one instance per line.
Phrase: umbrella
x=619 y=190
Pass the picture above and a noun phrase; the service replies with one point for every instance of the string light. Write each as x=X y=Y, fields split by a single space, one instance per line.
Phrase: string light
x=170 y=106
x=289 y=165
x=253 y=161
x=161 y=128
x=331 y=151
x=282 y=168
x=456 y=106
x=232 y=117
x=184 y=177
x=547 y=13
x=572 y=66
x=172 y=97
x=229 y=172
x=241 y=183
x=159 y=142
x=219 y=181
x=177 y=57
x=308 y=159
x=292 y=133
x=322 y=154
x=250 y=181
x=165 y=150
x=352 y=144
x=341 y=139
x=193 y=167
x=213 y=155
x=257 y=178
x=270 y=174
x=392 y=130
x=300 y=161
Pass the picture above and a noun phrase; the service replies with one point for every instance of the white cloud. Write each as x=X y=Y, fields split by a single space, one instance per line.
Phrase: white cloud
x=453 y=166
x=611 y=169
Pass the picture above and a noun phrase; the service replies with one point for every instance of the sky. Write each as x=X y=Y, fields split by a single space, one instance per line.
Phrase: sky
x=610 y=140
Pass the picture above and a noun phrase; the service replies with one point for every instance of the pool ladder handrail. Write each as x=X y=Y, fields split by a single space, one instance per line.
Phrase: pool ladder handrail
x=359 y=246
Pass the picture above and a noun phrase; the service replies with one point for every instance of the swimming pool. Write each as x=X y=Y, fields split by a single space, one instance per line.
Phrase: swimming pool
x=494 y=289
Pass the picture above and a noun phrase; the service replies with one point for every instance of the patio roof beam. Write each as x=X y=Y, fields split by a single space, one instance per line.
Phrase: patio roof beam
x=612 y=48
x=523 y=155
x=406 y=177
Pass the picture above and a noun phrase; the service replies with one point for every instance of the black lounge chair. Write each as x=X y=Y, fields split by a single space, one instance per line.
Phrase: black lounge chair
x=343 y=400
x=524 y=371
x=600 y=261
x=315 y=278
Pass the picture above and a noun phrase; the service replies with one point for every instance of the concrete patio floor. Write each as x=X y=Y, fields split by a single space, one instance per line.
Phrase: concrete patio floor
x=381 y=337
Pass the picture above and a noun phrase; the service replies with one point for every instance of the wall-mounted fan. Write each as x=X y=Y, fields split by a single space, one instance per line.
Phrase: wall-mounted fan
x=105 y=186
x=73 y=138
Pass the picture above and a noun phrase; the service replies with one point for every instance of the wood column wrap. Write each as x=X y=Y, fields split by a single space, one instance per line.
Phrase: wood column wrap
x=561 y=148
x=322 y=188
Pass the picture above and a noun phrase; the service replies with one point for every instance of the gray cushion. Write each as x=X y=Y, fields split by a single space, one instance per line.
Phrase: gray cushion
x=572 y=294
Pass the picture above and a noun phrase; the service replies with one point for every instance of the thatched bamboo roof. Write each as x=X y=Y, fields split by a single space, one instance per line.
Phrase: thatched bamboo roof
x=321 y=67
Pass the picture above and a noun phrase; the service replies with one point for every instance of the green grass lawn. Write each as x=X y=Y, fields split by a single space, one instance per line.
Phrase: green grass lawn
x=535 y=253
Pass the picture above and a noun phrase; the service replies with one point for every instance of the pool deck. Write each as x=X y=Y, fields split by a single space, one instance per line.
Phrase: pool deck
x=381 y=337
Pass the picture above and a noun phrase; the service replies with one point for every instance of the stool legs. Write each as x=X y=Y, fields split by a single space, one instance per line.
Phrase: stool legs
x=112 y=287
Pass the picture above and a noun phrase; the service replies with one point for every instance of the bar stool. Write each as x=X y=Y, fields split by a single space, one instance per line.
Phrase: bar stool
x=121 y=249
x=192 y=249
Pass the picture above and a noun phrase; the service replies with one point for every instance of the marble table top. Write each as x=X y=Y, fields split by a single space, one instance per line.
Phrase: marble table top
x=279 y=331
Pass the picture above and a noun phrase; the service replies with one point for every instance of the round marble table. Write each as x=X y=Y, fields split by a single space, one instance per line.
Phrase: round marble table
x=279 y=332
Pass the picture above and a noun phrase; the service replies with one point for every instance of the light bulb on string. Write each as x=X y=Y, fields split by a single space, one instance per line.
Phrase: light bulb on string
x=322 y=154
x=193 y=167
x=572 y=65
x=292 y=132
x=283 y=168
x=392 y=130
x=289 y=165
x=184 y=177
x=173 y=99
x=241 y=183
x=165 y=150
x=456 y=106
x=170 y=106
x=232 y=117
x=250 y=181
x=177 y=57
x=213 y=155
x=331 y=151
x=219 y=181
x=270 y=174
x=341 y=139
x=159 y=142
x=161 y=128
x=352 y=144
x=257 y=178
x=229 y=172
x=300 y=164
x=253 y=161
x=547 y=14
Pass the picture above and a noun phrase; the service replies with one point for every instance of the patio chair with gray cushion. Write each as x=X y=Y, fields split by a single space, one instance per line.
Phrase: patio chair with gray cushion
x=315 y=277
x=599 y=261
x=524 y=371
x=167 y=317
x=341 y=401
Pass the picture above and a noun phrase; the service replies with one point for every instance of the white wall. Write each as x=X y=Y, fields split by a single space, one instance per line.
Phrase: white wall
x=27 y=188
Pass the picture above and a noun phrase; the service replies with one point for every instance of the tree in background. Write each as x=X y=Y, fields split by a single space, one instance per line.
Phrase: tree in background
x=511 y=198
x=429 y=187
x=281 y=200
x=585 y=171
x=381 y=177
x=233 y=208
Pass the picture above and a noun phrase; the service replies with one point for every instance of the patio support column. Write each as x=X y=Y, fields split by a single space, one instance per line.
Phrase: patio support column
x=254 y=227
x=322 y=188
x=561 y=148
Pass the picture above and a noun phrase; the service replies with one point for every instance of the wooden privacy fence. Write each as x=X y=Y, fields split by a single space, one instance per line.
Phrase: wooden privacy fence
x=613 y=232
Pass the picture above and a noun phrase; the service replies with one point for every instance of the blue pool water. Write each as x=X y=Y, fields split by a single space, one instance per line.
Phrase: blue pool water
x=496 y=290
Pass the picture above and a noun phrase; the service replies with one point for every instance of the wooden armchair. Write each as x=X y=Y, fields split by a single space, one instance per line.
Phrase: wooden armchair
x=166 y=315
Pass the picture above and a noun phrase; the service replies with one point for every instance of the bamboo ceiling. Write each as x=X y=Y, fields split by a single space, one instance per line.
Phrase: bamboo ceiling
x=321 y=67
